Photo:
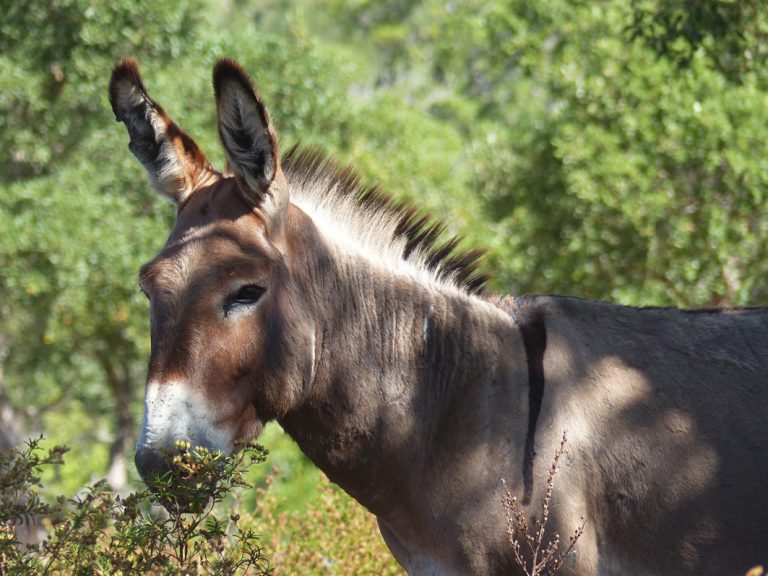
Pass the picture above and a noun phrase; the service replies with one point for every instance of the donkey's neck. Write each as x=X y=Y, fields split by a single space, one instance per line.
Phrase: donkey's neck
x=399 y=366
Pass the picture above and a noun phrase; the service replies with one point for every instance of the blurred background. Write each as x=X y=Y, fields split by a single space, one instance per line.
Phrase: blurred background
x=613 y=150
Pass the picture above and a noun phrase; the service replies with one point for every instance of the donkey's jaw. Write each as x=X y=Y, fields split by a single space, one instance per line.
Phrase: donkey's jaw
x=174 y=412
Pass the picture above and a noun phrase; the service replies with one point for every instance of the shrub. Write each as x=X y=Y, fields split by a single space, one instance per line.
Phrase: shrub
x=99 y=533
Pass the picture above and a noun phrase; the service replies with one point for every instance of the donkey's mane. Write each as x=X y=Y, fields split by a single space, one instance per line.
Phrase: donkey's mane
x=371 y=222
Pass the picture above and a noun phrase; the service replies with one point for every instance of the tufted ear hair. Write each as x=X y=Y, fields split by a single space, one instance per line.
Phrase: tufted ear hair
x=175 y=164
x=250 y=141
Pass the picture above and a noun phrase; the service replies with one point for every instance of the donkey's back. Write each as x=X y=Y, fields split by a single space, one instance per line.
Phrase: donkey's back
x=667 y=415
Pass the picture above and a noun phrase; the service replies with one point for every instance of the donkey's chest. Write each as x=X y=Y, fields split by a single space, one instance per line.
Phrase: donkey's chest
x=415 y=557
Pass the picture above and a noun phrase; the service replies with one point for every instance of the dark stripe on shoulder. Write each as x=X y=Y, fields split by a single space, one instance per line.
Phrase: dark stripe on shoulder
x=534 y=333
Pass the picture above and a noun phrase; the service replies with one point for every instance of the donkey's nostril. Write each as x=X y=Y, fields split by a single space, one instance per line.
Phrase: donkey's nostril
x=150 y=463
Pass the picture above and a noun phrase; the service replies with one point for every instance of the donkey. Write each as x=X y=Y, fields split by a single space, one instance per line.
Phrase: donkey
x=288 y=291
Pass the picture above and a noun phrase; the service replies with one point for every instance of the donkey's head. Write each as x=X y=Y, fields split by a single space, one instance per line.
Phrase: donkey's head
x=232 y=341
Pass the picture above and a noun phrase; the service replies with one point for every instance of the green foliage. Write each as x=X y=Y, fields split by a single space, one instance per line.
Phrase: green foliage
x=20 y=481
x=647 y=177
x=53 y=56
x=97 y=532
x=292 y=478
x=731 y=33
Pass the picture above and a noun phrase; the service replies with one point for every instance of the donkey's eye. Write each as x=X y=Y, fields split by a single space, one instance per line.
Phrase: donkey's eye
x=245 y=296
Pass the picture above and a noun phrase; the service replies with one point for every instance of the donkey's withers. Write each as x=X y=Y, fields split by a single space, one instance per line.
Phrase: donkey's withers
x=287 y=292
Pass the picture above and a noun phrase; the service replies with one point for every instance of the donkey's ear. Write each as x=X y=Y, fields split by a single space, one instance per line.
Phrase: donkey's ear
x=249 y=140
x=176 y=166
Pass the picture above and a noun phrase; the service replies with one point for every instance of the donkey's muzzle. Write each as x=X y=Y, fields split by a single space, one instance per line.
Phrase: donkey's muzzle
x=175 y=493
x=150 y=464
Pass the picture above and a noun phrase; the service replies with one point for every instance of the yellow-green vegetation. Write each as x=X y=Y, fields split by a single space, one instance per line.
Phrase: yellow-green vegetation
x=332 y=534
x=602 y=149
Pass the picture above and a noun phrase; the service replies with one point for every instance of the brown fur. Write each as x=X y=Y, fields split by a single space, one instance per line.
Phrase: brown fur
x=176 y=165
x=417 y=395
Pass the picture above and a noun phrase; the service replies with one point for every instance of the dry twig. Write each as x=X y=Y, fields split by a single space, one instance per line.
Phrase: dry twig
x=545 y=557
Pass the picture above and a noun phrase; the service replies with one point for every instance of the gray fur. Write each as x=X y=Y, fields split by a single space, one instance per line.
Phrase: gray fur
x=665 y=410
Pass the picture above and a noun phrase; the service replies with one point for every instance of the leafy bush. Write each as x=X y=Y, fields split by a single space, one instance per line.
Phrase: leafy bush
x=99 y=533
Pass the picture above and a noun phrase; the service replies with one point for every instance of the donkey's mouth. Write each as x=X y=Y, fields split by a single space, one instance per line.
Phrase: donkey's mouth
x=185 y=479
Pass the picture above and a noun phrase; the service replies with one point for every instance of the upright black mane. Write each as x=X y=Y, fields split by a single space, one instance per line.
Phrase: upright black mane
x=309 y=168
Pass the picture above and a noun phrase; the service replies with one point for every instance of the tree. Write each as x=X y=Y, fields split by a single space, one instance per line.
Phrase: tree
x=616 y=146
x=648 y=173
x=67 y=309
